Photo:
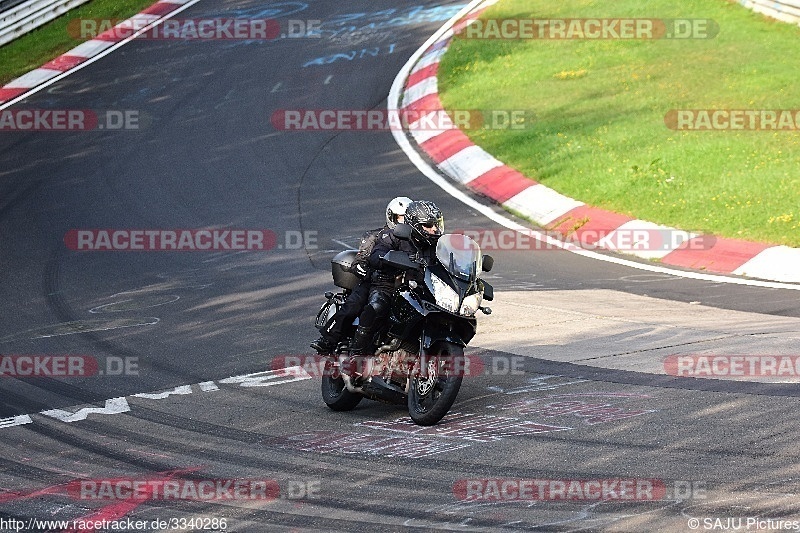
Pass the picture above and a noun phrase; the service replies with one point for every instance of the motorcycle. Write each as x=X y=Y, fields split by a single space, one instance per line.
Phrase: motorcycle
x=419 y=359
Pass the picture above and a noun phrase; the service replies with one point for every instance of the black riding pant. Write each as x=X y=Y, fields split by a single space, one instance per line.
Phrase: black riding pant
x=344 y=317
x=376 y=311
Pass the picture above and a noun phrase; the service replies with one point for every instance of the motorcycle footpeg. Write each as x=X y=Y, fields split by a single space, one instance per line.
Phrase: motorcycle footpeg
x=343 y=348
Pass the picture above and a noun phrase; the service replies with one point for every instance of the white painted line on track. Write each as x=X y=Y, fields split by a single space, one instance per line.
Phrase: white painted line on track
x=120 y=405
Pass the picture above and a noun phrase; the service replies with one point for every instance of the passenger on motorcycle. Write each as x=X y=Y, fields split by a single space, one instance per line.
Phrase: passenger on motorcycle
x=427 y=225
x=355 y=302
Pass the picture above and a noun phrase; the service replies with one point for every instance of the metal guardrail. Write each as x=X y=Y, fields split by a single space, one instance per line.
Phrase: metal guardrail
x=8 y=4
x=19 y=17
x=785 y=10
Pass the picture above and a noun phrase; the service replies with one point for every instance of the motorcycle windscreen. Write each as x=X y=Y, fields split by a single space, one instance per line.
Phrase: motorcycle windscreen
x=460 y=255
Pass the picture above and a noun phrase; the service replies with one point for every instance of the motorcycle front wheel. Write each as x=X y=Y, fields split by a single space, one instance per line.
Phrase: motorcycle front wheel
x=334 y=393
x=430 y=398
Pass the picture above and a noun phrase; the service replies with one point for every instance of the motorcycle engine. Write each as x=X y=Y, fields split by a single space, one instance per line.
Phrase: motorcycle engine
x=394 y=366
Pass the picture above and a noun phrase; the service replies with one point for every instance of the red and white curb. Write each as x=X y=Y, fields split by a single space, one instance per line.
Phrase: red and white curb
x=467 y=164
x=90 y=51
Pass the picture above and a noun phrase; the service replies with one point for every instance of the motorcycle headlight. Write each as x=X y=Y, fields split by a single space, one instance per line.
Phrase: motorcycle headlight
x=471 y=304
x=445 y=296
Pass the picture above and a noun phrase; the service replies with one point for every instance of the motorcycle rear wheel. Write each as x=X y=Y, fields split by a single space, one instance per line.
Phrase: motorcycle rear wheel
x=429 y=399
x=334 y=393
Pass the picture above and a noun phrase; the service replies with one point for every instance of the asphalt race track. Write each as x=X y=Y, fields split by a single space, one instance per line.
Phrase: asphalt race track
x=189 y=347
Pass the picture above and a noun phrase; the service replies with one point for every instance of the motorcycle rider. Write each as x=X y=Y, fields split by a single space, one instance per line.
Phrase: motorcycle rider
x=355 y=302
x=427 y=225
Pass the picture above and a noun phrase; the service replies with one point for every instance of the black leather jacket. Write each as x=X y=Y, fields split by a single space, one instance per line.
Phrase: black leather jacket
x=385 y=275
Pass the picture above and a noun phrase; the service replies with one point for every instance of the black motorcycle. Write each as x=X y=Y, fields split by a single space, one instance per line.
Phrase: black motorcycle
x=419 y=355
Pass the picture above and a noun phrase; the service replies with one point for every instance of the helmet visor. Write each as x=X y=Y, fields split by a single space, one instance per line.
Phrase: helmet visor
x=433 y=227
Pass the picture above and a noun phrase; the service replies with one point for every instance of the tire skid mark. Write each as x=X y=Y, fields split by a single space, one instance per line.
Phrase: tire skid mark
x=118 y=307
x=409 y=482
x=79 y=327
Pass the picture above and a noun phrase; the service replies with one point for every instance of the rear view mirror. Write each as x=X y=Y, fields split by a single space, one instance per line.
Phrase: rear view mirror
x=488 y=263
x=402 y=231
x=488 y=292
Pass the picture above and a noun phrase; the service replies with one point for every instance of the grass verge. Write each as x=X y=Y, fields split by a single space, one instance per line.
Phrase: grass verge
x=600 y=134
x=54 y=38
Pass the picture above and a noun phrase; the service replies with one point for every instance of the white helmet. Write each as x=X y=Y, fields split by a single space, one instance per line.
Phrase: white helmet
x=396 y=207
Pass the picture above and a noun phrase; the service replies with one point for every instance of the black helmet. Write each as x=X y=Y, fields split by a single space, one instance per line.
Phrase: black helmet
x=426 y=221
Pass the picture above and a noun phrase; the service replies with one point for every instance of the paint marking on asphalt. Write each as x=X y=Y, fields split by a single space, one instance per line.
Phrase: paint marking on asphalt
x=120 y=405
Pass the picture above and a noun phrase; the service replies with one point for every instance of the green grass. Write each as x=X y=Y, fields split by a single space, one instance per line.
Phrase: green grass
x=53 y=39
x=600 y=135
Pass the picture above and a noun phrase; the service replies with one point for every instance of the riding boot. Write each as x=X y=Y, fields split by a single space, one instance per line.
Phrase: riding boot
x=324 y=345
x=360 y=346
x=362 y=341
